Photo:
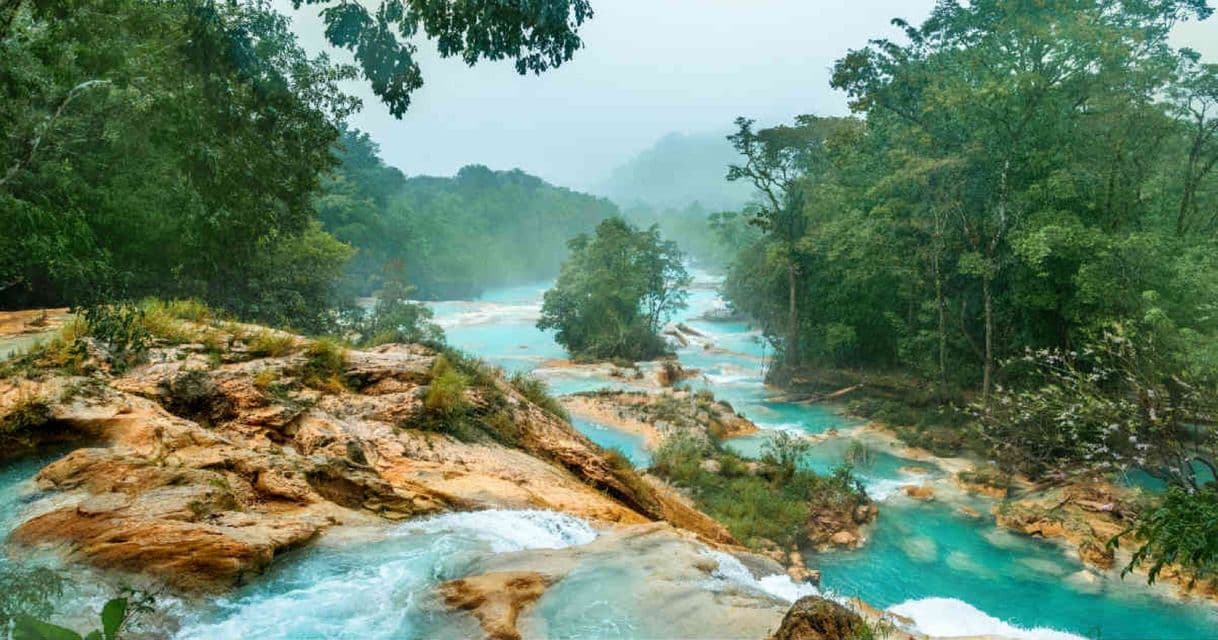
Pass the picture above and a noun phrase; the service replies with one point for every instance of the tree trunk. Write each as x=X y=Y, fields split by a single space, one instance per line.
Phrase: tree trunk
x=988 y=372
x=792 y=317
x=942 y=321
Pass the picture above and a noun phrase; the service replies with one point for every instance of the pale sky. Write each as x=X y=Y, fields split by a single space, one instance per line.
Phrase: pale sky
x=648 y=68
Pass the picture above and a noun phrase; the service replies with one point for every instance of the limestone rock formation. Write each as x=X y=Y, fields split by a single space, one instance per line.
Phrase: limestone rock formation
x=197 y=470
x=496 y=599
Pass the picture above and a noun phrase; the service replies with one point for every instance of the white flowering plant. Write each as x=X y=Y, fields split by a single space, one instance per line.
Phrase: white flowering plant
x=1110 y=406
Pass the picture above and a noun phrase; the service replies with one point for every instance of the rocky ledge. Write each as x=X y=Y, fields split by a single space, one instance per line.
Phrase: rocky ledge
x=200 y=466
x=663 y=415
x=1085 y=515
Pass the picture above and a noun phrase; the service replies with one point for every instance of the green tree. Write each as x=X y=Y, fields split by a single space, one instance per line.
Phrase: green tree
x=778 y=162
x=1001 y=89
x=615 y=292
x=535 y=35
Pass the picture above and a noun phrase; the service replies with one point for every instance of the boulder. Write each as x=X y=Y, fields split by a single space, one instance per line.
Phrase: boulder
x=815 y=618
x=969 y=512
x=800 y=573
x=844 y=539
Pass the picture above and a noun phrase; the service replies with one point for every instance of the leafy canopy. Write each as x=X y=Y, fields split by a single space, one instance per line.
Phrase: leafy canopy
x=537 y=35
x=615 y=291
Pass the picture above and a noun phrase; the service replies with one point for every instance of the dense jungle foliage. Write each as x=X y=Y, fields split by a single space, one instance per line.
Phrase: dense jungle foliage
x=615 y=292
x=455 y=237
x=192 y=149
x=1022 y=213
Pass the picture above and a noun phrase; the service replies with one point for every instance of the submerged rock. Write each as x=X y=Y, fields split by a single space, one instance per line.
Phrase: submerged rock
x=496 y=599
x=678 y=588
x=923 y=492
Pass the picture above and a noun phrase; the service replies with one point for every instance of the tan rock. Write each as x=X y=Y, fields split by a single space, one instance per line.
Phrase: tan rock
x=1097 y=554
x=923 y=492
x=968 y=512
x=844 y=539
x=205 y=505
x=496 y=599
x=803 y=574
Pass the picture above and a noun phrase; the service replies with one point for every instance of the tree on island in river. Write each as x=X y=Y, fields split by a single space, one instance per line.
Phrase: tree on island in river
x=615 y=292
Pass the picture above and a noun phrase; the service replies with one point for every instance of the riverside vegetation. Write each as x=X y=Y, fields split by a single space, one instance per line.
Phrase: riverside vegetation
x=1012 y=242
x=615 y=292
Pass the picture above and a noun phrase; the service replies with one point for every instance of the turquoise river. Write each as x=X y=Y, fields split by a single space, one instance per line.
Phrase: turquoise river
x=952 y=575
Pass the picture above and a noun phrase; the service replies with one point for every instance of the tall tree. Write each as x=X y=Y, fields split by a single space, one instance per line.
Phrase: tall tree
x=780 y=162
x=1002 y=87
x=1195 y=102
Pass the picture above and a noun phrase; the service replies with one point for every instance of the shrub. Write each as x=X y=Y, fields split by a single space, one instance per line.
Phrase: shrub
x=445 y=399
x=28 y=415
x=191 y=309
x=325 y=362
x=271 y=344
x=1179 y=531
x=265 y=379
x=160 y=321
x=754 y=508
x=1114 y=405
x=503 y=427
x=859 y=455
x=783 y=451
x=119 y=328
x=537 y=392
x=396 y=319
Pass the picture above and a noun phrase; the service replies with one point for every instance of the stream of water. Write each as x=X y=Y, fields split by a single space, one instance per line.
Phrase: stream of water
x=951 y=574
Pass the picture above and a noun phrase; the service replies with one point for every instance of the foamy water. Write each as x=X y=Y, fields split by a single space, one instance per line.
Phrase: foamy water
x=488 y=313
x=382 y=586
x=949 y=617
x=733 y=572
x=509 y=530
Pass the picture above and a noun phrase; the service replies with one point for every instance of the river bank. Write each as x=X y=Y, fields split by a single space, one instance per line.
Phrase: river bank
x=272 y=476
x=944 y=560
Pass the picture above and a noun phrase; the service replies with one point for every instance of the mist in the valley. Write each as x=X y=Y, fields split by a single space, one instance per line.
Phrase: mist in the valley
x=663 y=80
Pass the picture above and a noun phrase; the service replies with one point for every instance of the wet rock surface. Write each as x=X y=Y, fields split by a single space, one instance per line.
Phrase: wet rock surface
x=198 y=472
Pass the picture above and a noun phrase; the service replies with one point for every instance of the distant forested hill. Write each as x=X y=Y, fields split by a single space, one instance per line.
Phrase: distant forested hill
x=678 y=171
x=453 y=237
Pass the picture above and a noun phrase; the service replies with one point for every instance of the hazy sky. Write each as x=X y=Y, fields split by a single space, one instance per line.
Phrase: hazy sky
x=648 y=67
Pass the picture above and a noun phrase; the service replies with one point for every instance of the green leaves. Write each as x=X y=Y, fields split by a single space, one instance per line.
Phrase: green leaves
x=537 y=35
x=113 y=617
x=1182 y=530
x=615 y=292
x=27 y=628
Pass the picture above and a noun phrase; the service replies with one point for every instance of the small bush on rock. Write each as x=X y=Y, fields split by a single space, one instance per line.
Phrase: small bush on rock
x=325 y=362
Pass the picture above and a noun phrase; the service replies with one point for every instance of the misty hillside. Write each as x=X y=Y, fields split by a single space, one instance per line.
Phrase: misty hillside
x=678 y=170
